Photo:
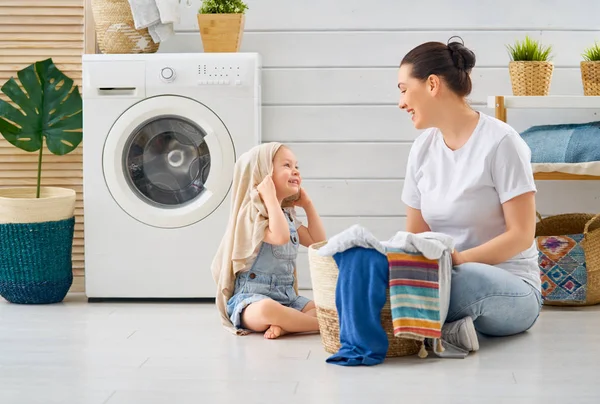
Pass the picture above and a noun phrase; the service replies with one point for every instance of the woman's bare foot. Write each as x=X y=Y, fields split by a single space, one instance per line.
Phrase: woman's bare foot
x=274 y=331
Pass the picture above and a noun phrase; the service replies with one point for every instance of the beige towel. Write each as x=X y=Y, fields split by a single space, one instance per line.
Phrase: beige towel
x=248 y=220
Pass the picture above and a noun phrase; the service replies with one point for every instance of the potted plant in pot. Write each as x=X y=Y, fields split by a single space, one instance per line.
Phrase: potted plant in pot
x=530 y=67
x=590 y=70
x=221 y=24
x=37 y=223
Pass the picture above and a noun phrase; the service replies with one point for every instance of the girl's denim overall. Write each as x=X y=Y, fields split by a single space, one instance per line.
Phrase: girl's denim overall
x=270 y=276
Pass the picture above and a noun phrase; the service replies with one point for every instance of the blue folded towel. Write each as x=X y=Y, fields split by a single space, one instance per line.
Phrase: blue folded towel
x=568 y=143
x=360 y=294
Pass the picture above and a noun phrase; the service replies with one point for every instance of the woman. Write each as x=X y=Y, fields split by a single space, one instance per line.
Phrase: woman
x=469 y=176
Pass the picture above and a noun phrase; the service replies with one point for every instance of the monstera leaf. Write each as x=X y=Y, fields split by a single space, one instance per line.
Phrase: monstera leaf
x=49 y=108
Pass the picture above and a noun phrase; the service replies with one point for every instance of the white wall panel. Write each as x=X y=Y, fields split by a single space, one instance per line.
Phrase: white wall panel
x=351 y=160
x=380 y=123
x=293 y=86
x=333 y=15
x=386 y=48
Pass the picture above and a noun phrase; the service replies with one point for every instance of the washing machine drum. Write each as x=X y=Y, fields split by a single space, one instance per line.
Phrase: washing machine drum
x=168 y=161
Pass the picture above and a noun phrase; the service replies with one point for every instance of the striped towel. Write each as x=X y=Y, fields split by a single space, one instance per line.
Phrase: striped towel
x=414 y=295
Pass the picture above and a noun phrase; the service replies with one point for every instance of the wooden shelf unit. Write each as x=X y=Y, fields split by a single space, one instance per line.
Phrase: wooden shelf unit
x=501 y=103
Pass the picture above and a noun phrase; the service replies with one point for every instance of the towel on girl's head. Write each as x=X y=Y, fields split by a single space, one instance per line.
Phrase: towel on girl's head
x=248 y=220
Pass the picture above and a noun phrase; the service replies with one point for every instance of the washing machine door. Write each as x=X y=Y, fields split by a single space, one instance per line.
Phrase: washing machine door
x=168 y=161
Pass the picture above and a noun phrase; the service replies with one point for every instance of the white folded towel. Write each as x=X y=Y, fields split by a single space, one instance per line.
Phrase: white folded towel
x=354 y=236
x=432 y=245
x=156 y=15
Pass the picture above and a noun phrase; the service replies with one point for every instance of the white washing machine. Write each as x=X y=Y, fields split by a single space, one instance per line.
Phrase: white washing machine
x=161 y=135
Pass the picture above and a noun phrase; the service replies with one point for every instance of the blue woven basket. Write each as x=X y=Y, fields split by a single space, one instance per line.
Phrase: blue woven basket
x=36 y=261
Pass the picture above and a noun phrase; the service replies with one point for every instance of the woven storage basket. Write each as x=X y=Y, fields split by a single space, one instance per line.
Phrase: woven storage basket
x=560 y=251
x=530 y=77
x=590 y=77
x=324 y=274
x=115 y=29
x=36 y=239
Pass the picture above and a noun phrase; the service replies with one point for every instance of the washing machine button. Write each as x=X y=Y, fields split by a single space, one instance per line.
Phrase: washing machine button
x=167 y=74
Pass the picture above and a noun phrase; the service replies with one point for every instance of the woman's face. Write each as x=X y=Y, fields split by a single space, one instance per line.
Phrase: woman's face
x=416 y=97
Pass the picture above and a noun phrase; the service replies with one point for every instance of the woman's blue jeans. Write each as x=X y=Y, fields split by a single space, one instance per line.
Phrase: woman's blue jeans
x=499 y=302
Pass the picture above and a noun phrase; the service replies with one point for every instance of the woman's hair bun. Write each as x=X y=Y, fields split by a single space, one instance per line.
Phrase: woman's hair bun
x=463 y=57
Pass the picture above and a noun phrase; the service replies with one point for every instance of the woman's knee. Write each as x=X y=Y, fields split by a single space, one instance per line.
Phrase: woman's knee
x=509 y=316
x=499 y=302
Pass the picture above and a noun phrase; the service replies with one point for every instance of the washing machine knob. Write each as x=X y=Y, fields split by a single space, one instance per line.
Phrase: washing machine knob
x=167 y=74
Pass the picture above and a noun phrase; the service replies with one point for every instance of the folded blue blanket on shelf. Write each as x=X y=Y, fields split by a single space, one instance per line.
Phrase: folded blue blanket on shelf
x=566 y=143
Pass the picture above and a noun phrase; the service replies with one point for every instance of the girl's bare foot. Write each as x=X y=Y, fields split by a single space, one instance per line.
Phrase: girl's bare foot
x=274 y=331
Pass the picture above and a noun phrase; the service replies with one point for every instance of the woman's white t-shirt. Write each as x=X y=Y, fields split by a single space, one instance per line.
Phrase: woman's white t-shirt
x=460 y=193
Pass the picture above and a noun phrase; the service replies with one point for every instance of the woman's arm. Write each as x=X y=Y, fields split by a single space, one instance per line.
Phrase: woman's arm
x=415 y=222
x=519 y=214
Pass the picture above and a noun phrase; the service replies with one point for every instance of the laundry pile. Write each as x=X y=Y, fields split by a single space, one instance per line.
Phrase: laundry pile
x=416 y=268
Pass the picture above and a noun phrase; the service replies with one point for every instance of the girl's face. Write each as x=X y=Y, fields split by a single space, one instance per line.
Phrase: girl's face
x=286 y=176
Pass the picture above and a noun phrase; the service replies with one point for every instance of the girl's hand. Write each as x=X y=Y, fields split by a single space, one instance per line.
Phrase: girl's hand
x=304 y=200
x=266 y=189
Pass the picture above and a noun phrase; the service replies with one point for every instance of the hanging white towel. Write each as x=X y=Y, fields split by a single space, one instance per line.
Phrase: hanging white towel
x=156 y=15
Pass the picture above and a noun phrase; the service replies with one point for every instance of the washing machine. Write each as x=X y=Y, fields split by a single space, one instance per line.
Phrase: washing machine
x=162 y=133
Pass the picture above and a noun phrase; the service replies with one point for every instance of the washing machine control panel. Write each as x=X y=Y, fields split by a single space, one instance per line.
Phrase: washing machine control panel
x=220 y=74
x=207 y=71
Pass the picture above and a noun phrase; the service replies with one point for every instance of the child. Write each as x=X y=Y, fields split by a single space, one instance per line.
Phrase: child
x=255 y=266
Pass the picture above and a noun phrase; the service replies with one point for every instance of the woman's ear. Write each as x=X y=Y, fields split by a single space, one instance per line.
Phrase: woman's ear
x=433 y=84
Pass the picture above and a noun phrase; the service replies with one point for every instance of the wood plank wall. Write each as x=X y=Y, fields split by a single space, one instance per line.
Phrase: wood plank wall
x=32 y=30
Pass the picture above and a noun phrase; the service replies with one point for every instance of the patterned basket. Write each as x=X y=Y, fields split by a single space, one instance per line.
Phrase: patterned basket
x=324 y=273
x=590 y=77
x=35 y=261
x=115 y=29
x=569 y=259
x=530 y=77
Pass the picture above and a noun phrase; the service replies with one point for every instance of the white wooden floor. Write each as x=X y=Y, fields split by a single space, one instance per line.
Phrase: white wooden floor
x=177 y=353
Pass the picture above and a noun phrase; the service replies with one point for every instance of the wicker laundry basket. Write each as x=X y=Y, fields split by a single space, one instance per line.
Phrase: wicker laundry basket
x=590 y=77
x=115 y=29
x=569 y=246
x=324 y=274
x=530 y=77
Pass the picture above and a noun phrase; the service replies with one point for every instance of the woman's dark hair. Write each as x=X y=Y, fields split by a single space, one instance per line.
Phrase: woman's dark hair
x=452 y=62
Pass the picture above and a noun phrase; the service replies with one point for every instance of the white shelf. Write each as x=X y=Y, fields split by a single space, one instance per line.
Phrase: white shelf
x=550 y=101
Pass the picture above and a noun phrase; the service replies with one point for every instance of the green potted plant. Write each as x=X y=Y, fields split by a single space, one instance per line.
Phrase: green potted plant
x=590 y=70
x=37 y=223
x=221 y=24
x=530 y=67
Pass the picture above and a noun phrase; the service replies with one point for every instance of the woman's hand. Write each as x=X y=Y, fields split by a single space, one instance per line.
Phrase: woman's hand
x=457 y=258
